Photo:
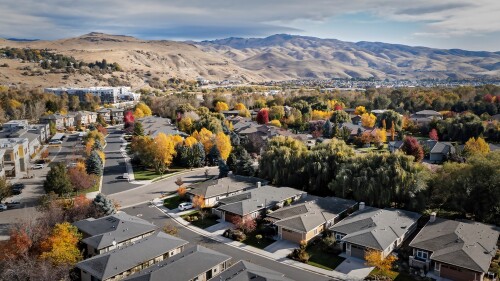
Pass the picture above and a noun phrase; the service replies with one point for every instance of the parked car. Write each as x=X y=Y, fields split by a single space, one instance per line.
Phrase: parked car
x=3 y=207
x=13 y=205
x=16 y=191
x=37 y=166
x=55 y=142
x=185 y=206
x=18 y=186
x=124 y=176
x=71 y=165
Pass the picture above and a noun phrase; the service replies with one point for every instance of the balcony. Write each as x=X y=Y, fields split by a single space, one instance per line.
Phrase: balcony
x=417 y=262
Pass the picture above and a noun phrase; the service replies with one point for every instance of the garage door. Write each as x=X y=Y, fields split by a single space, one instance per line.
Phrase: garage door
x=357 y=252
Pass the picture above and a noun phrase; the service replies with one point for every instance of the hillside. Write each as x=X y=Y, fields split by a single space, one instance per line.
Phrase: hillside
x=277 y=57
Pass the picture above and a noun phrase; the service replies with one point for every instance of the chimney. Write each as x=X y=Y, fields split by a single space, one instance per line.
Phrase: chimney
x=259 y=184
x=433 y=217
x=361 y=205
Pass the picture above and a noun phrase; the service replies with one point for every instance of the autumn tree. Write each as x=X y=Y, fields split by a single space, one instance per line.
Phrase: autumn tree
x=138 y=113
x=146 y=111
x=476 y=146
x=339 y=117
x=276 y=112
x=390 y=119
x=263 y=116
x=181 y=191
x=58 y=180
x=433 y=135
x=239 y=106
x=275 y=123
x=412 y=147
x=360 y=110
x=138 y=129
x=204 y=136
x=61 y=247
x=186 y=125
x=79 y=177
x=379 y=137
x=223 y=143
x=221 y=106
x=162 y=152
x=247 y=225
x=5 y=189
x=374 y=258
x=170 y=229
x=198 y=201
x=368 y=120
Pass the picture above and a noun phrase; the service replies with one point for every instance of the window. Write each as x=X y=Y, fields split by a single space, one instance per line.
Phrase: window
x=315 y=231
x=437 y=266
x=338 y=236
x=422 y=254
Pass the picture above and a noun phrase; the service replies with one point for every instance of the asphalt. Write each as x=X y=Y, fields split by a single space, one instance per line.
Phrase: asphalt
x=152 y=214
x=114 y=167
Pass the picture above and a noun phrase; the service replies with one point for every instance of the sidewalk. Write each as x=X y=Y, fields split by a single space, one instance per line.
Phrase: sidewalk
x=273 y=256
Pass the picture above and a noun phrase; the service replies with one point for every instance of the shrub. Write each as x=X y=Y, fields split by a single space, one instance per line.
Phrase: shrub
x=235 y=234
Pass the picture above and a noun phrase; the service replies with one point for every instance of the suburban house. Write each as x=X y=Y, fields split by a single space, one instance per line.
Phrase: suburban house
x=60 y=121
x=126 y=260
x=438 y=150
x=116 y=115
x=395 y=145
x=377 y=229
x=425 y=116
x=14 y=125
x=85 y=118
x=255 y=202
x=113 y=231
x=105 y=113
x=304 y=221
x=196 y=263
x=153 y=125
x=456 y=250
x=247 y=271
x=16 y=156
x=214 y=190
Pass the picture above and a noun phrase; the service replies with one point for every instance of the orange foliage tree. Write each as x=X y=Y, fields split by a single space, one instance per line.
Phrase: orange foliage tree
x=181 y=191
x=199 y=201
x=374 y=258
x=61 y=246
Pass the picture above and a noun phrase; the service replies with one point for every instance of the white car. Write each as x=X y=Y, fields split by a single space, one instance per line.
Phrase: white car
x=38 y=166
x=185 y=206
x=55 y=142
x=3 y=207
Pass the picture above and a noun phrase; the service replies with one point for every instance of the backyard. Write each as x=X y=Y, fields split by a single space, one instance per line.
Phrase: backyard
x=319 y=257
x=195 y=219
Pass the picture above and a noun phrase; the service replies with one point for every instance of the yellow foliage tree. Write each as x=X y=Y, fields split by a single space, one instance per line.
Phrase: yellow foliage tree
x=205 y=137
x=321 y=115
x=198 y=201
x=221 y=106
x=379 y=137
x=89 y=145
x=176 y=139
x=101 y=155
x=190 y=141
x=239 y=106
x=186 y=125
x=360 y=110
x=244 y=113
x=374 y=258
x=14 y=103
x=61 y=246
x=138 y=113
x=144 y=108
x=368 y=120
x=275 y=123
x=260 y=103
x=223 y=143
x=332 y=103
x=476 y=147
x=163 y=152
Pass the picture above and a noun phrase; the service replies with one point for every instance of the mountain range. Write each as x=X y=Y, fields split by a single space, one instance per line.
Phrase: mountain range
x=277 y=57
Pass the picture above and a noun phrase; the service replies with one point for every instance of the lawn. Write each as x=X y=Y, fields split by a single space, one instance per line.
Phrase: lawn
x=254 y=242
x=206 y=222
x=142 y=173
x=394 y=275
x=172 y=202
x=322 y=259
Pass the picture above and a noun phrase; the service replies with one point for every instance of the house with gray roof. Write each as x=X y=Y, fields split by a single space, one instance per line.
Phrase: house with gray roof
x=255 y=202
x=109 y=232
x=439 y=150
x=196 y=263
x=308 y=219
x=247 y=271
x=457 y=250
x=126 y=260
x=395 y=145
x=371 y=228
x=214 y=190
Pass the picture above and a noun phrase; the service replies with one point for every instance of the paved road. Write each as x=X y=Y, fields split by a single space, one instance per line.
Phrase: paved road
x=152 y=214
x=151 y=191
x=115 y=165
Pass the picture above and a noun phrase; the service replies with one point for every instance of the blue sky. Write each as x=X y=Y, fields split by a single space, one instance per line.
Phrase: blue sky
x=465 y=24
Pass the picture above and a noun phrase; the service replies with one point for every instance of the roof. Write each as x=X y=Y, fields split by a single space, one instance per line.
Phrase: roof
x=376 y=228
x=122 y=259
x=118 y=227
x=246 y=271
x=428 y=112
x=466 y=244
x=257 y=199
x=396 y=144
x=307 y=216
x=230 y=184
x=184 y=266
x=439 y=146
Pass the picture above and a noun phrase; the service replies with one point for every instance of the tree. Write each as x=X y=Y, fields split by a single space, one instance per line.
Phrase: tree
x=247 y=225
x=433 y=135
x=223 y=169
x=223 y=144
x=170 y=229
x=244 y=164
x=412 y=147
x=239 y=106
x=161 y=152
x=57 y=180
x=52 y=128
x=275 y=123
x=276 y=112
x=94 y=164
x=146 y=111
x=61 y=247
x=339 y=117
x=186 y=125
x=104 y=204
x=368 y=120
x=360 y=110
x=476 y=146
x=179 y=181
x=379 y=137
x=138 y=113
x=79 y=178
x=390 y=119
x=374 y=258
x=138 y=129
x=128 y=118
x=198 y=201
x=221 y=106
x=263 y=116
x=5 y=188
x=181 y=191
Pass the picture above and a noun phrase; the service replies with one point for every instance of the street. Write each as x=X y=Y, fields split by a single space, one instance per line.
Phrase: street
x=152 y=214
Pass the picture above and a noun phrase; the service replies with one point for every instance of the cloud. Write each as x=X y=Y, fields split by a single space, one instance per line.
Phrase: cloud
x=201 y=19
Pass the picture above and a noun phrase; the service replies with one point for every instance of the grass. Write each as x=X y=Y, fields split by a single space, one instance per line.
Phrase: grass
x=394 y=275
x=257 y=243
x=322 y=259
x=172 y=202
x=206 y=222
x=142 y=173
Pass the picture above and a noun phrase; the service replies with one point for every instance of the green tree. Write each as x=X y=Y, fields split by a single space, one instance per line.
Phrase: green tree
x=339 y=117
x=52 y=128
x=138 y=129
x=93 y=164
x=104 y=204
x=244 y=164
x=390 y=118
x=58 y=180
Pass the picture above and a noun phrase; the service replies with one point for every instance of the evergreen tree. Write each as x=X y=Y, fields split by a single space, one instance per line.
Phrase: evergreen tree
x=93 y=164
x=244 y=165
x=138 y=129
x=327 y=129
x=213 y=155
x=58 y=180
x=98 y=146
x=223 y=169
x=104 y=204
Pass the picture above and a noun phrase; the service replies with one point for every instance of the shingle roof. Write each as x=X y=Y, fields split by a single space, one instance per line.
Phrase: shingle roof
x=118 y=227
x=306 y=216
x=464 y=243
x=233 y=183
x=257 y=199
x=183 y=266
x=376 y=228
x=112 y=263
x=428 y=112
x=246 y=271
x=439 y=147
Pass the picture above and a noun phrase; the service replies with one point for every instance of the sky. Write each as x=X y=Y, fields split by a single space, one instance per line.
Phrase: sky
x=463 y=24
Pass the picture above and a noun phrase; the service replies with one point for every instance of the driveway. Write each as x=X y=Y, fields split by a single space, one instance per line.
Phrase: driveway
x=219 y=228
x=354 y=268
x=281 y=248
